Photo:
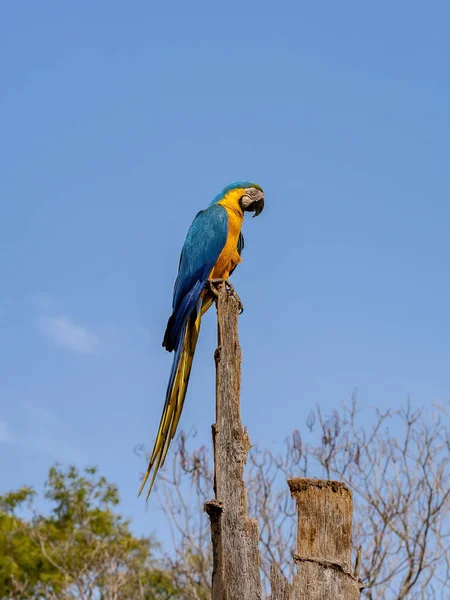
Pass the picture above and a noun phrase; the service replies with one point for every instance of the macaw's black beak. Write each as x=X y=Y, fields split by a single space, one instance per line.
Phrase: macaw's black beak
x=257 y=207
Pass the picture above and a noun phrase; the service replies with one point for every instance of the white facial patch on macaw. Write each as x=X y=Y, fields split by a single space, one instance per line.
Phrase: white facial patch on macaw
x=253 y=201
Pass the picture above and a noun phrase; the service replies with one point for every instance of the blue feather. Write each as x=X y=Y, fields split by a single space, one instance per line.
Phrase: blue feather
x=205 y=241
x=234 y=186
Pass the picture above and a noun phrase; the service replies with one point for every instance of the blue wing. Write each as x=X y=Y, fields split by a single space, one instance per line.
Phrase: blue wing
x=205 y=241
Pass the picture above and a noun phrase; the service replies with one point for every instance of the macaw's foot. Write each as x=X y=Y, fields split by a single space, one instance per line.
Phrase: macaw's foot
x=235 y=295
x=215 y=283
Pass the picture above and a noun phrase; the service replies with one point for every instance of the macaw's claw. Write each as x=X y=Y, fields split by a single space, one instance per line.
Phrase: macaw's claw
x=235 y=295
x=212 y=285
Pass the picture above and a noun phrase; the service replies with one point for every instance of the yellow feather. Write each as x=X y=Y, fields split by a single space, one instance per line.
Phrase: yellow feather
x=175 y=401
x=229 y=257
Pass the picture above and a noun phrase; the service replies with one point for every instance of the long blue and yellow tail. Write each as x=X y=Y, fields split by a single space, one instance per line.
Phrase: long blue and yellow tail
x=176 y=393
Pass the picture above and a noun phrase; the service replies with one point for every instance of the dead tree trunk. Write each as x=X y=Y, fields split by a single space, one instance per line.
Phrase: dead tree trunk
x=236 y=571
x=324 y=545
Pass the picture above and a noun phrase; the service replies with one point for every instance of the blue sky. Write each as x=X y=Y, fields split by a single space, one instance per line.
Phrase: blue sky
x=119 y=122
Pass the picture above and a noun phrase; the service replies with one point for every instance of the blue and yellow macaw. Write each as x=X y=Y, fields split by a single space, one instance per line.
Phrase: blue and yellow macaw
x=212 y=250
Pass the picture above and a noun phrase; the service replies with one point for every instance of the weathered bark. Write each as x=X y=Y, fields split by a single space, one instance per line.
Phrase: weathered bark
x=324 y=545
x=236 y=571
x=281 y=588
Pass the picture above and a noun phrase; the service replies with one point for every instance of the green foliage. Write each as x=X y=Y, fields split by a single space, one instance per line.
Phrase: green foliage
x=82 y=549
x=23 y=566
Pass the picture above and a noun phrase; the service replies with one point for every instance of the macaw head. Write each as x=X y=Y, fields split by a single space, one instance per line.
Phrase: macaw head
x=253 y=199
x=250 y=196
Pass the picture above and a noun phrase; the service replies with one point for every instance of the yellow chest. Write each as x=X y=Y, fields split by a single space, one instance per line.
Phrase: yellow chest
x=229 y=257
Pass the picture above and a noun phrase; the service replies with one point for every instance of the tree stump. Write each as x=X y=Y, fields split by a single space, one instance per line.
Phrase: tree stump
x=324 y=545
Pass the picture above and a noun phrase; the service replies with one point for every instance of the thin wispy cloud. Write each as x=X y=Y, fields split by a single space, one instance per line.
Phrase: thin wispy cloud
x=6 y=437
x=65 y=332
